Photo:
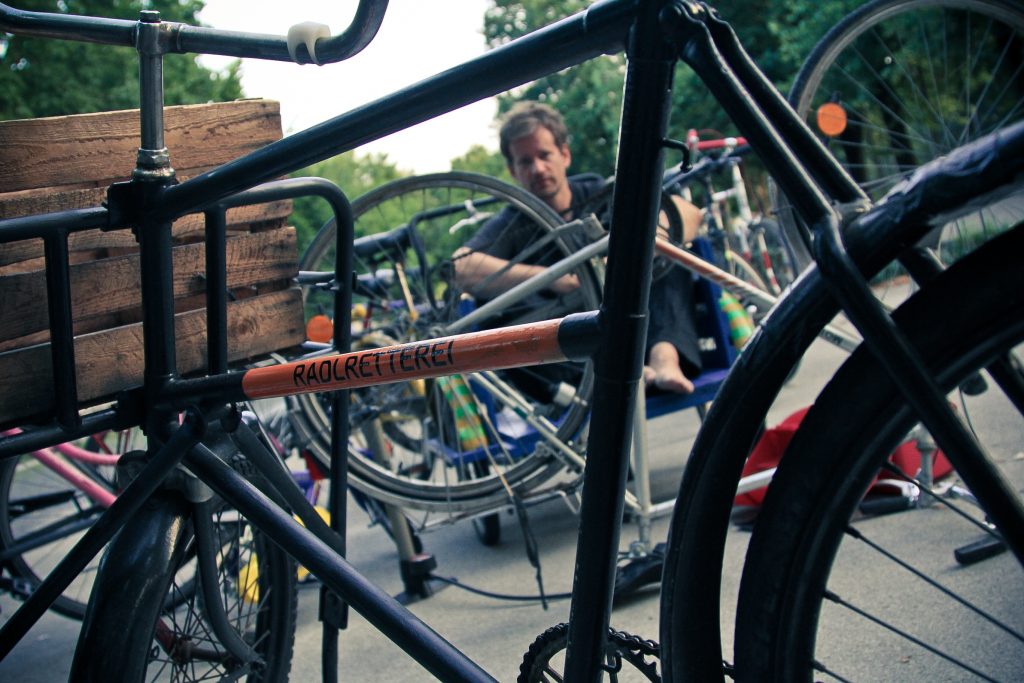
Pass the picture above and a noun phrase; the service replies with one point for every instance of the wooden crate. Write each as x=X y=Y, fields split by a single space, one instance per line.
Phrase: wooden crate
x=67 y=162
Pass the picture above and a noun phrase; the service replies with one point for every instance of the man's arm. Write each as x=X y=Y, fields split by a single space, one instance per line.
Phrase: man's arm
x=487 y=276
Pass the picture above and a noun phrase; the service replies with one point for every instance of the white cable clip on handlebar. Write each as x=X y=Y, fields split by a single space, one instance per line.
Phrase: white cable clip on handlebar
x=306 y=34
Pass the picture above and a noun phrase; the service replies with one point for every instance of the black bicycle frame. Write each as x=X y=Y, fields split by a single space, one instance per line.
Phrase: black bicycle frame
x=654 y=33
x=151 y=201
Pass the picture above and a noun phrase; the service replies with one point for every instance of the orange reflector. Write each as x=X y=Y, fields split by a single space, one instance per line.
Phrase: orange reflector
x=320 y=328
x=831 y=119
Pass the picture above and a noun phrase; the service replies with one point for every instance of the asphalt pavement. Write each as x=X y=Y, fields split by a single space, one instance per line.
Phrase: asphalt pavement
x=497 y=632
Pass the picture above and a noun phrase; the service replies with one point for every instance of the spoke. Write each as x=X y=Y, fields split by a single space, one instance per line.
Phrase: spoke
x=818 y=666
x=882 y=105
x=892 y=469
x=832 y=597
x=933 y=583
x=920 y=95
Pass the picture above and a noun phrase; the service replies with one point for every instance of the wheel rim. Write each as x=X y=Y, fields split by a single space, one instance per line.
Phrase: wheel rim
x=421 y=471
x=811 y=617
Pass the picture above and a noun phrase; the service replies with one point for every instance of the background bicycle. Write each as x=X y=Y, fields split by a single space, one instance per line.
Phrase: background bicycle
x=750 y=245
x=470 y=446
x=46 y=499
x=897 y=83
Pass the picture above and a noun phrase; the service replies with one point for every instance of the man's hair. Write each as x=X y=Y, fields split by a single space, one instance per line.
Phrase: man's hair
x=524 y=118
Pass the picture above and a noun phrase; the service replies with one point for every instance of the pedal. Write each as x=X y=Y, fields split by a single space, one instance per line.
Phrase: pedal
x=885 y=505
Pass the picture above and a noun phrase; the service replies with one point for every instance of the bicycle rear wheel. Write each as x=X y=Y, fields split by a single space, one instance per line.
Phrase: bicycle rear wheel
x=898 y=83
x=826 y=590
x=449 y=445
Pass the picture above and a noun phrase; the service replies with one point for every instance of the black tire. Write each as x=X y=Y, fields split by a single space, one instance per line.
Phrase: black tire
x=789 y=624
x=34 y=499
x=905 y=72
x=148 y=619
x=417 y=223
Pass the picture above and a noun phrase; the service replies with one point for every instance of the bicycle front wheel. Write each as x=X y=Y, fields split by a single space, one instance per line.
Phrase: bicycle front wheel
x=832 y=591
x=152 y=618
x=898 y=83
x=448 y=444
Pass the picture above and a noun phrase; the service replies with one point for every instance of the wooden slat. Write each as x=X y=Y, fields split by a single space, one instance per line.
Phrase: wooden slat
x=50 y=199
x=68 y=162
x=112 y=284
x=110 y=361
x=100 y=148
x=186 y=229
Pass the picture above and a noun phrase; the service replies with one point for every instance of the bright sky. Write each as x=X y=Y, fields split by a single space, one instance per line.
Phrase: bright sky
x=417 y=39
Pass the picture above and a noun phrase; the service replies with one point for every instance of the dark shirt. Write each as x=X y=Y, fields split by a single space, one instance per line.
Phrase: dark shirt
x=509 y=233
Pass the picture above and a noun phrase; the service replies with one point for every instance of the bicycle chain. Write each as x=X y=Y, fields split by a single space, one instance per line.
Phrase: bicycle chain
x=620 y=644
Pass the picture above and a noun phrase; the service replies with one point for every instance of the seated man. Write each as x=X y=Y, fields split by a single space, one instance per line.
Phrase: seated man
x=534 y=142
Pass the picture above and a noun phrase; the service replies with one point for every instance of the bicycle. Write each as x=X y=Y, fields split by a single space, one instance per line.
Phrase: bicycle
x=897 y=83
x=50 y=496
x=660 y=33
x=519 y=437
x=752 y=246
x=46 y=498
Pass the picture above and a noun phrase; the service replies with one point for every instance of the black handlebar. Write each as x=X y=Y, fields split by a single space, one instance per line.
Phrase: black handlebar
x=201 y=40
x=704 y=167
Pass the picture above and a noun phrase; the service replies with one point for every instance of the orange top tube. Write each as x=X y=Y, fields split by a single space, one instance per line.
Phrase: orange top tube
x=529 y=344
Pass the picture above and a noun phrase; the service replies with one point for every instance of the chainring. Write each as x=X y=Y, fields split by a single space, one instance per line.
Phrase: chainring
x=620 y=647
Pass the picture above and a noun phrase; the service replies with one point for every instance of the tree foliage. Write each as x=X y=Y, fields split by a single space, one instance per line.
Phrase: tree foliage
x=356 y=175
x=46 y=77
x=478 y=159
x=778 y=36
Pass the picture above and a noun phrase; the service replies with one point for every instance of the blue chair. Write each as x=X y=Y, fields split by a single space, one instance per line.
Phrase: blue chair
x=716 y=349
x=717 y=356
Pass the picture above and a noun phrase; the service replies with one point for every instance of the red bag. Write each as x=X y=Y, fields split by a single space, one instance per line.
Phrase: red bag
x=772 y=444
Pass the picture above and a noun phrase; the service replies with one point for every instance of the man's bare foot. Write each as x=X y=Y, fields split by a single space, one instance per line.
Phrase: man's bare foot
x=664 y=371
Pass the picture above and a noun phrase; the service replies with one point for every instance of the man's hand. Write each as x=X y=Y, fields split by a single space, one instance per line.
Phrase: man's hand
x=565 y=284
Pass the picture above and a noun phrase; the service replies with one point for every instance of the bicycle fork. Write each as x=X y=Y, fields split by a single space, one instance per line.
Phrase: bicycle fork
x=905 y=366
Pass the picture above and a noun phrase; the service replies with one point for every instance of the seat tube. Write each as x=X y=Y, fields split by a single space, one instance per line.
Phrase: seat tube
x=618 y=363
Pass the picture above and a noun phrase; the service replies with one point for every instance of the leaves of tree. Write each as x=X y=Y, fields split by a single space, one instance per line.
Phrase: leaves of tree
x=778 y=36
x=356 y=175
x=47 y=77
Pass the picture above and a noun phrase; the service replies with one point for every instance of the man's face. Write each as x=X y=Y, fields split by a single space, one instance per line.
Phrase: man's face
x=539 y=164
